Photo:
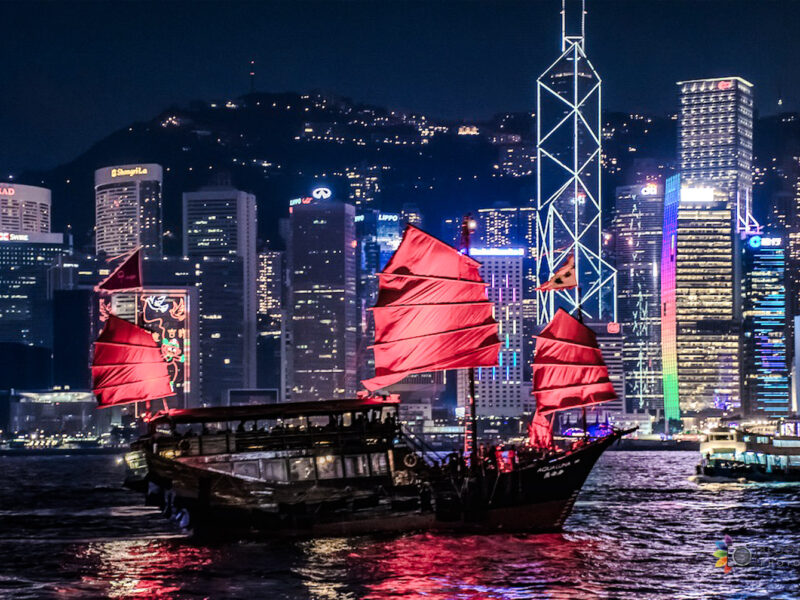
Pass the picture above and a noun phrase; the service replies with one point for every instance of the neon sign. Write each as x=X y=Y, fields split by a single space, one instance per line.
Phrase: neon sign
x=612 y=327
x=704 y=194
x=651 y=189
x=321 y=193
x=388 y=217
x=757 y=241
x=13 y=237
x=497 y=252
x=7 y=191
x=129 y=172
x=725 y=85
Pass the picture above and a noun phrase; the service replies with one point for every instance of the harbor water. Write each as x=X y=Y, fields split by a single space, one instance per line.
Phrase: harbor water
x=640 y=529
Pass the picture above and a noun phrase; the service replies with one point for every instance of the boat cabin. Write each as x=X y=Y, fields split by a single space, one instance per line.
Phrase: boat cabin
x=288 y=442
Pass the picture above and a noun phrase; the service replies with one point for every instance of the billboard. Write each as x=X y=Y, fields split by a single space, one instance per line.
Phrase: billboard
x=167 y=314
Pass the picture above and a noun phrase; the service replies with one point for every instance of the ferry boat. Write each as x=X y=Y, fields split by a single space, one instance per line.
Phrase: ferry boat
x=347 y=466
x=756 y=452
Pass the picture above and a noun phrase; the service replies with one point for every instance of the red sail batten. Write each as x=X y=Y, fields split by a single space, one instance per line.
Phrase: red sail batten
x=568 y=372
x=432 y=312
x=128 y=365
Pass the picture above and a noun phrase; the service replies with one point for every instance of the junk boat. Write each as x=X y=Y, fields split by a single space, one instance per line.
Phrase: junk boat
x=347 y=466
x=757 y=452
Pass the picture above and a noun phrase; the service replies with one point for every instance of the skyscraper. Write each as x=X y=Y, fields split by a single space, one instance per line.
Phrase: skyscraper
x=410 y=214
x=220 y=221
x=269 y=292
x=638 y=222
x=128 y=209
x=568 y=169
x=24 y=208
x=699 y=327
x=378 y=236
x=499 y=391
x=25 y=312
x=715 y=147
x=322 y=268
x=364 y=186
x=765 y=372
x=271 y=321
x=503 y=226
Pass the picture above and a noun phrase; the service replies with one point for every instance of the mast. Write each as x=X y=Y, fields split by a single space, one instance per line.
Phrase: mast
x=471 y=424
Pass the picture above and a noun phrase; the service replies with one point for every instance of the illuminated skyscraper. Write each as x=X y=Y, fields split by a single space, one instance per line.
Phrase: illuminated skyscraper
x=25 y=311
x=568 y=169
x=322 y=268
x=364 y=186
x=410 y=214
x=378 y=235
x=128 y=209
x=220 y=221
x=765 y=371
x=24 y=208
x=715 y=144
x=699 y=329
x=638 y=222
x=271 y=321
x=269 y=292
x=499 y=391
x=503 y=226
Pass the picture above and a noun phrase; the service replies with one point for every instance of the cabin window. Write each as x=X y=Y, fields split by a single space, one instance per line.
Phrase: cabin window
x=329 y=467
x=274 y=470
x=246 y=468
x=301 y=469
x=356 y=466
x=794 y=461
x=379 y=466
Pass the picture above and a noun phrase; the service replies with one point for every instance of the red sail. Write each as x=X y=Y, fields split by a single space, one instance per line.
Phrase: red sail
x=432 y=312
x=127 y=365
x=568 y=368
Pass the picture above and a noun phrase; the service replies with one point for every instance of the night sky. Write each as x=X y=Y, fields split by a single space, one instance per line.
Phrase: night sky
x=74 y=72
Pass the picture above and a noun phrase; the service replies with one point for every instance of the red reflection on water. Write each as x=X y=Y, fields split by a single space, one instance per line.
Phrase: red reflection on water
x=140 y=568
x=437 y=567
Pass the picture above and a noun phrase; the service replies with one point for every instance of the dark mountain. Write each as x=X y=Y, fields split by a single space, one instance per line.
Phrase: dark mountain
x=278 y=146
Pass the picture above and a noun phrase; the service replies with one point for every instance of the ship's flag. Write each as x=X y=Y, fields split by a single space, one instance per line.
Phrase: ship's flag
x=128 y=365
x=126 y=277
x=432 y=312
x=563 y=279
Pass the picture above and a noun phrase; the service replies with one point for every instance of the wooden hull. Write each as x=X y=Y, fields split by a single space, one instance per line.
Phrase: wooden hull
x=535 y=498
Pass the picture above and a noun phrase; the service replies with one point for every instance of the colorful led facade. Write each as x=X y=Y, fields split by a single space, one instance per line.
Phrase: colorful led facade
x=706 y=331
x=669 y=331
x=766 y=377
